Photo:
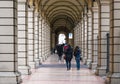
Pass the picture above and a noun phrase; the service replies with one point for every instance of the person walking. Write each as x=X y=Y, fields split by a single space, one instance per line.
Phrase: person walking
x=77 y=53
x=68 y=56
x=60 y=52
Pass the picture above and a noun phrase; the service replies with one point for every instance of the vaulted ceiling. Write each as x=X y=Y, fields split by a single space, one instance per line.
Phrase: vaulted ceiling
x=61 y=13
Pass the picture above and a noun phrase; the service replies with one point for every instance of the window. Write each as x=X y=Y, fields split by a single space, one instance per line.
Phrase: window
x=70 y=35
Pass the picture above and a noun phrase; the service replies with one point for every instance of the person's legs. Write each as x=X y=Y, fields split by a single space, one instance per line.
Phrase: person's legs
x=60 y=57
x=78 y=64
x=67 y=64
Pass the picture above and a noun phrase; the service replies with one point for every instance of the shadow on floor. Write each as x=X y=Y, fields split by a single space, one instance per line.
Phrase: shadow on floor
x=59 y=66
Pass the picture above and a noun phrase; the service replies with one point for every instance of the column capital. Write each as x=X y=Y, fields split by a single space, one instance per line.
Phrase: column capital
x=36 y=14
x=31 y=9
x=104 y=1
x=94 y=9
x=89 y=14
x=22 y=1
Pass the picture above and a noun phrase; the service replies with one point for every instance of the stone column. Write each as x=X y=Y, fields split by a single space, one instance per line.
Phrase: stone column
x=36 y=39
x=43 y=40
x=80 y=25
x=104 y=27
x=31 y=38
x=114 y=71
x=95 y=38
x=83 y=39
x=89 y=39
x=23 y=65
x=86 y=39
x=8 y=43
x=40 y=39
x=79 y=35
x=75 y=35
x=47 y=40
x=53 y=40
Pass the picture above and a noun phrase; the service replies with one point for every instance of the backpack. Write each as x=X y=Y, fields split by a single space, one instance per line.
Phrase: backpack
x=65 y=48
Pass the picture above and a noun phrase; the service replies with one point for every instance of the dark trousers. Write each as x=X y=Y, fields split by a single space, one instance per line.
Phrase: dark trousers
x=60 y=57
x=68 y=64
x=77 y=63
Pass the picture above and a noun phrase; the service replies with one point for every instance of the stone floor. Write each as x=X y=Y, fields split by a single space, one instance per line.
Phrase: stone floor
x=54 y=72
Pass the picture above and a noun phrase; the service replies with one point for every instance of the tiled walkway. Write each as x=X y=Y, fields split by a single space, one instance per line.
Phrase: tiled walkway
x=53 y=72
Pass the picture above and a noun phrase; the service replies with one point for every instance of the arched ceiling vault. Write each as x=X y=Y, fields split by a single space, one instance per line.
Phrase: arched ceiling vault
x=61 y=13
x=65 y=11
x=55 y=15
x=61 y=21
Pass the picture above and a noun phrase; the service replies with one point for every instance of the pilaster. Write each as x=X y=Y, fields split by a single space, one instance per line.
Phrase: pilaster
x=104 y=27
x=89 y=60
x=85 y=39
x=94 y=38
x=23 y=65
x=36 y=39
x=43 y=40
x=31 y=38
x=8 y=43
x=114 y=68
x=40 y=40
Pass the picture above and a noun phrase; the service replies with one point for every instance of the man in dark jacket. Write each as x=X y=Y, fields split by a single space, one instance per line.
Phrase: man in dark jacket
x=69 y=56
x=60 y=52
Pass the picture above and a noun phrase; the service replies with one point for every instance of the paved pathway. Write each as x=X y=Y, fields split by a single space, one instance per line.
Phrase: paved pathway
x=53 y=72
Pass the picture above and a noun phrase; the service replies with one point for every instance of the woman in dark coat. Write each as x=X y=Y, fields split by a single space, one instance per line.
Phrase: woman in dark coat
x=77 y=53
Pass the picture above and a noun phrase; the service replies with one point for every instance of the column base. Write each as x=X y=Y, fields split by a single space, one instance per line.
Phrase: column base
x=46 y=56
x=101 y=71
x=37 y=63
x=10 y=78
x=113 y=78
x=41 y=60
x=94 y=67
x=89 y=61
x=32 y=64
x=25 y=70
x=84 y=60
